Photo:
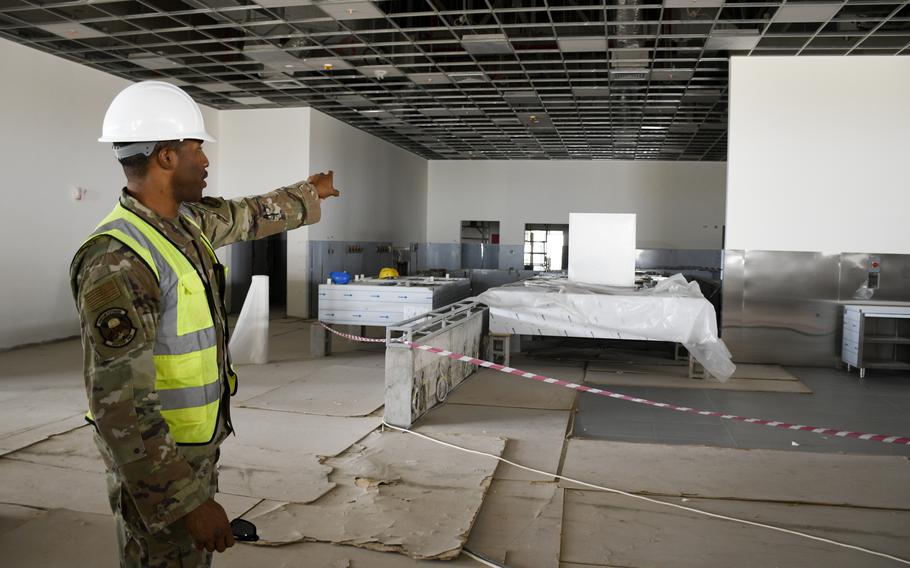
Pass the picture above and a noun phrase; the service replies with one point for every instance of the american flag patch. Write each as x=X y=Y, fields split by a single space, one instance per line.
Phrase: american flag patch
x=102 y=295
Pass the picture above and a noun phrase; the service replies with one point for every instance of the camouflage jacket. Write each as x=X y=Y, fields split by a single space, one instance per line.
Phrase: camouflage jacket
x=165 y=480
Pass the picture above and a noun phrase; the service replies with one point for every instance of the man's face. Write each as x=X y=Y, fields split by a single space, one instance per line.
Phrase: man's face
x=190 y=173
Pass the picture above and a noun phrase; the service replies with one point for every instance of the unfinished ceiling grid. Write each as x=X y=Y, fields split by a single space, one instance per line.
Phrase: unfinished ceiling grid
x=626 y=79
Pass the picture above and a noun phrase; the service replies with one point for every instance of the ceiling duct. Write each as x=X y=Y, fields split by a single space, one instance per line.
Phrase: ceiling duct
x=627 y=23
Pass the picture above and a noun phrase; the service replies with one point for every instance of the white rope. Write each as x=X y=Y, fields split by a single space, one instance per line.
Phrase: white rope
x=648 y=499
x=483 y=561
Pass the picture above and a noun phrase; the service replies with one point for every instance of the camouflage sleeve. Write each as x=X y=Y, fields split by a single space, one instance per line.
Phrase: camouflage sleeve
x=226 y=221
x=118 y=301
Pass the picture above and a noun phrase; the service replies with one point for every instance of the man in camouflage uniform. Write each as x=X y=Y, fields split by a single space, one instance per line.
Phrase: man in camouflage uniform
x=161 y=492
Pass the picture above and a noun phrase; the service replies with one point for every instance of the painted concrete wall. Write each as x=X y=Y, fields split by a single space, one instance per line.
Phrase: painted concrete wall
x=260 y=150
x=51 y=112
x=383 y=188
x=679 y=204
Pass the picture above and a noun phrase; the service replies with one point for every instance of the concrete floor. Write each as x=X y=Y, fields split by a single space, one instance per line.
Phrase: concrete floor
x=853 y=491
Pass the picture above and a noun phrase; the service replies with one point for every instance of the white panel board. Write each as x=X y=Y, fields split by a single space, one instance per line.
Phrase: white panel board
x=811 y=170
x=602 y=248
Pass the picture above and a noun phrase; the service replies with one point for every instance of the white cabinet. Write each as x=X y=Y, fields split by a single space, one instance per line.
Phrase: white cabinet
x=876 y=337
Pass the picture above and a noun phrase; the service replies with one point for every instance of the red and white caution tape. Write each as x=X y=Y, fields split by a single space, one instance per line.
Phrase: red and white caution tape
x=886 y=439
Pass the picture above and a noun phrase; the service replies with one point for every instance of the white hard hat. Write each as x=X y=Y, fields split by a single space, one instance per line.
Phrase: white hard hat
x=153 y=111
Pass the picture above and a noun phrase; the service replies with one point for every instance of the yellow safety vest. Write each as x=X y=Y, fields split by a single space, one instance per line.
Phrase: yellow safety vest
x=187 y=379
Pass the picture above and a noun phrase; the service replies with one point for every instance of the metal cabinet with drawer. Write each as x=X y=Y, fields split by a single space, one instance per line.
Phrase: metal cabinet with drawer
x=876 y=337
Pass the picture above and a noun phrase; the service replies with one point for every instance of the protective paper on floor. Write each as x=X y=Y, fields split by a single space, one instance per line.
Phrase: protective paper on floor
x=255 y=380
x=73 y=455
x=730 y=473
x=12 y=516
x=324 y=555
x=602 y=529
x=492 y=388
x=273 y=474
x=520 y=524
x=29 y=416
x=670 y=376
x=62 y=537
x=337 y=390
x=46 y=486
x=278 y=455
x=650 y=364
x=72 y=450
x=395 y=492
x=535 y=436
x=43 y=393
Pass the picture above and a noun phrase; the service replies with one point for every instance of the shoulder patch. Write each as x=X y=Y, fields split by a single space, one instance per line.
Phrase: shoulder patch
x=115 y=327
x=102 y=295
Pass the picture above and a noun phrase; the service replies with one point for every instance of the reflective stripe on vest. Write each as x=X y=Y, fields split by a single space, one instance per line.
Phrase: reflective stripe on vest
x=186 y=357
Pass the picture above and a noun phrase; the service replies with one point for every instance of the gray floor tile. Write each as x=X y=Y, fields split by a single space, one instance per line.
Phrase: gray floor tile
x=880 y=405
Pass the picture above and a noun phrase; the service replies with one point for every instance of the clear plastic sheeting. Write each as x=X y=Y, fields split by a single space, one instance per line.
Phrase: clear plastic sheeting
x=673 y=310
x=250 y=340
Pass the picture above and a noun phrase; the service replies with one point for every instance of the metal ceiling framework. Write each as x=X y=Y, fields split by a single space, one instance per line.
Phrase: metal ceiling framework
x=494 y=79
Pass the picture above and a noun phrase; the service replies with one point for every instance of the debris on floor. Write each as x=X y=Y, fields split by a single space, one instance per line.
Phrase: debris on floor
x=394 y=492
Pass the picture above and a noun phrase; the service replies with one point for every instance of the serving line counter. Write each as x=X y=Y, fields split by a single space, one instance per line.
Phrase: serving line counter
x=375 y=302
x=673 y=310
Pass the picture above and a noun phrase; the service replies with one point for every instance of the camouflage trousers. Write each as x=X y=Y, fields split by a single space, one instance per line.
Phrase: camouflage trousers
x=171 y=547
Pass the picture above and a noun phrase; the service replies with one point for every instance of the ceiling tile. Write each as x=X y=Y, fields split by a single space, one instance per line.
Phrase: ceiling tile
x=216 y=87
x=274 y=58
x=466 y=111
x=252 y=100
x=325 y=64
x=520 y=97
x=380 y=71
x=71 y=30
x=355 y=101
x=671 y=74
x=350 y=10
x=693 y=3
x=732 y=40
x=429 y=78
x=283 y=3
x=155 y=62
x=806 y=12
x=582 y=44
x=486 y=44
x=468 y=76
x=591 y=92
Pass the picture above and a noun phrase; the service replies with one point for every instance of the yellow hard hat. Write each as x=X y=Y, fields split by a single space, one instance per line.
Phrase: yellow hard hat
x=388 y=273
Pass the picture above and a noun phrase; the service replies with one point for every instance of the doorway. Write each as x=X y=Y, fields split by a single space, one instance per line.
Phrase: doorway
x=546 y=247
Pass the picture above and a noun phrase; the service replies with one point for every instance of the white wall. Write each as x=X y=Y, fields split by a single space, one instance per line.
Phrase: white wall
x=51 y=111
x=818 y=151
x=383 y=188
x=679 y=204
x=261 y=150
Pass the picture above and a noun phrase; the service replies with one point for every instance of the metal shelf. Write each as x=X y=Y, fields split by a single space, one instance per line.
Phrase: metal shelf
x=886 y=339
x=885 y=365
